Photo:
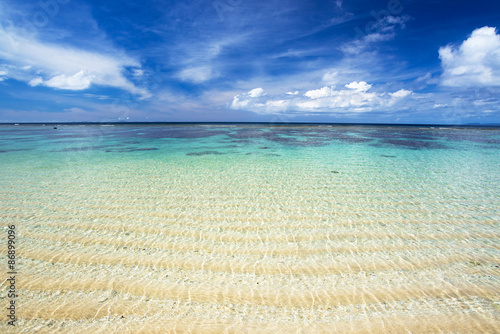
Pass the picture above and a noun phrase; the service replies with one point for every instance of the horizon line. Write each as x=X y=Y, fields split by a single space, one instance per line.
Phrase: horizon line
x=256 y=123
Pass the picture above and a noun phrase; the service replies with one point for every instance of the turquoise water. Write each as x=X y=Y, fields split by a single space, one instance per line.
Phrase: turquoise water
x=295 y=208
x=444 y=171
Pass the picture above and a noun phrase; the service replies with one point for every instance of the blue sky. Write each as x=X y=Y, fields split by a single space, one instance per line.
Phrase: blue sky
x=392 y=61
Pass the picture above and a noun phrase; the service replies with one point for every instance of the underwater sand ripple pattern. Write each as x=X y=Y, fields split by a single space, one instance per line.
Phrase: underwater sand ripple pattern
x=351 y=230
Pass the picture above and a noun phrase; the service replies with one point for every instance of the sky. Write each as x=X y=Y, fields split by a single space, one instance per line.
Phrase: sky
x=359 y=61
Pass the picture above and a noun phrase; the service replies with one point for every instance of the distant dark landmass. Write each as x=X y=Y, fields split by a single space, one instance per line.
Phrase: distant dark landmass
x=484 y=124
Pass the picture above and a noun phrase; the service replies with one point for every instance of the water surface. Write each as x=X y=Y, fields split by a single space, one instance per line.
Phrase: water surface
x=256 y=228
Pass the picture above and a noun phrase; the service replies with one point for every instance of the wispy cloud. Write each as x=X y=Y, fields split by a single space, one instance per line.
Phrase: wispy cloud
x=197 y=74
x=384 y=29
x=62 y=66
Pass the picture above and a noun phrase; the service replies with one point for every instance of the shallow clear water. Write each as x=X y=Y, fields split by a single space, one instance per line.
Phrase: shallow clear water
x=142 y=227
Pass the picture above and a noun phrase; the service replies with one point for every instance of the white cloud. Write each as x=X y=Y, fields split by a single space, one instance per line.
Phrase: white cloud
x=354 y=98
x=35 y=81
x=389 y=23
x=319 y=93
x=360 y=86
x=257 y=92
x=398 y=96
x=379 y=37
x=293 y=93
x=384 y=29
x=242 y=101
x=239 y=102
x=197 y=74
x=137 y=72
x=64 y=67
x=330 y=77
x=79 y=81
x=401 y=93
x=439 y=105
x=476 y=62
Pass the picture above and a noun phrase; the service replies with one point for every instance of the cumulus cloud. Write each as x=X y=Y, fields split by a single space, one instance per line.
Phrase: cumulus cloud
x=257 y=92
x=476 y=62
x=330 y=91
x=35 y=81
x=355 y=97
x=401 y=93
x=242 y=101
x=64 y=67
x=319 y=93
x=359 y=86
x=397 y=96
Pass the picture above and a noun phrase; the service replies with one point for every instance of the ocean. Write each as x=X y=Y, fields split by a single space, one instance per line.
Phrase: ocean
x=289 y=228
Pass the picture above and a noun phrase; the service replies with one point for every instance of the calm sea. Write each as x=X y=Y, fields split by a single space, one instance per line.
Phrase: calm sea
x=241 y=224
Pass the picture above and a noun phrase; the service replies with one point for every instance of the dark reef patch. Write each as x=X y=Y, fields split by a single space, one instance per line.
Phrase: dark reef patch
x=171 y=132
x=18 y=139
x=205 y=153
x=83 y=148
x=131 y=149
x=309 y=137
x=247 y=134
x=216 y=147
x=398 y=134
x=241 y=141
x=15 y=150
x=293 y=141
x=146 y=149
x=413 y=144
